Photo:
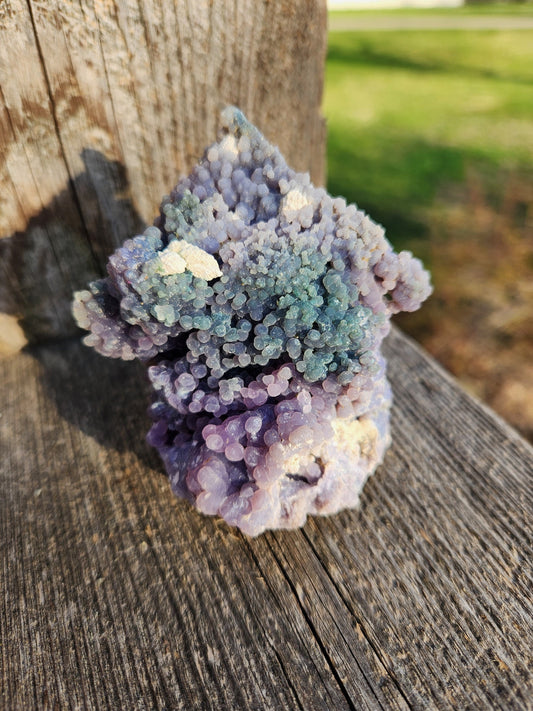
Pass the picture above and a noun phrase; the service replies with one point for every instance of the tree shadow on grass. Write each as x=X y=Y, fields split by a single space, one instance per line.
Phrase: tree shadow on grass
x=392 y=177
x=364 y=54
x=361 y=52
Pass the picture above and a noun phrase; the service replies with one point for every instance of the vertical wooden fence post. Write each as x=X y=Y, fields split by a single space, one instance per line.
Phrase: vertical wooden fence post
x=104 y=103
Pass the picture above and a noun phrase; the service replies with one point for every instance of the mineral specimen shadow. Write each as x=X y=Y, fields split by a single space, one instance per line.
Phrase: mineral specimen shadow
x=106 y=399
x=61 y=248
x=64 y=246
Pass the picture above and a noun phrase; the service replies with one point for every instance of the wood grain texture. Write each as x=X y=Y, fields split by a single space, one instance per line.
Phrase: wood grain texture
x=105 y=103
x=117 y=595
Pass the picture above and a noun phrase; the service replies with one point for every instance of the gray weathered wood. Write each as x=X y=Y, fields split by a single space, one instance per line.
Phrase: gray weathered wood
x=117 y=595
x=103 y=105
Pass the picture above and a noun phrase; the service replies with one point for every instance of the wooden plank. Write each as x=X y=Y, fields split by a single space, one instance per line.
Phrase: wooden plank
x=117 y=595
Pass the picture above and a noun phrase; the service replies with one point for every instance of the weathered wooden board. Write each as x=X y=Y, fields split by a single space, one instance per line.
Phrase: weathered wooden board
x=117 y=595
x=105 y=104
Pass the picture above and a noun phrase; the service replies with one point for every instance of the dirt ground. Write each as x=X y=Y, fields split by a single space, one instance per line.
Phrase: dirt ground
x=479 y=321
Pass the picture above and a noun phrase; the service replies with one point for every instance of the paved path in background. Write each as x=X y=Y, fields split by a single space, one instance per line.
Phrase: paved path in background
x=431 y=22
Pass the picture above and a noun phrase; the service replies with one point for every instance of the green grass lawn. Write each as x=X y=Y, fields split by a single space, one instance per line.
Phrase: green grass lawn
x=410 y=112
x=431 y=133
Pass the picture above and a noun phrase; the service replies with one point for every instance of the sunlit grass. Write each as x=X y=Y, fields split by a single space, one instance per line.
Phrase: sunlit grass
x=409 y=112
x=432 y=134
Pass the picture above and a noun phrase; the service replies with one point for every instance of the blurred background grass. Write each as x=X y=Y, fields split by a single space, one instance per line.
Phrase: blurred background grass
x=431 y=133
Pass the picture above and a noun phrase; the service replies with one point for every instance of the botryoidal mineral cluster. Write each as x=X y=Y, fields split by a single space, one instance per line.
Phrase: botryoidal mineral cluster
x=259 y=303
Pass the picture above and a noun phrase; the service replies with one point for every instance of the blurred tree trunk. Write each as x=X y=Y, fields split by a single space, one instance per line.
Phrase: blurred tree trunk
x=105 y=103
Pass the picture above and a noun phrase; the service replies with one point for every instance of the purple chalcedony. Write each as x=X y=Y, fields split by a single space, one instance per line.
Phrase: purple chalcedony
x=260 y=304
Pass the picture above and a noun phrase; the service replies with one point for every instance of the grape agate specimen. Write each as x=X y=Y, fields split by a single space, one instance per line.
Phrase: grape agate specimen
x=260 y=304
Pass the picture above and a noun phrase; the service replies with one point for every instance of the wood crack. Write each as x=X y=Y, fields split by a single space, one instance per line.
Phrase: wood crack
x=272 y=646
x=358 y=620
x=319 y=641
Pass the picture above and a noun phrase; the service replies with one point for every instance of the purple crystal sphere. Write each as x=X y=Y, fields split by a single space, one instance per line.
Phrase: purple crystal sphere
x=259 y=303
